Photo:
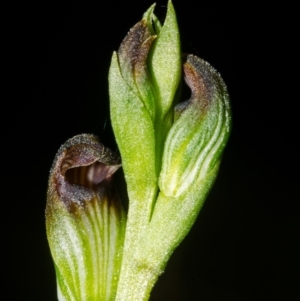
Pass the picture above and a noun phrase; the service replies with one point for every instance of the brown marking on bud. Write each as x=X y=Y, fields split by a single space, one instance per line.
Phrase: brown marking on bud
x=203 y=81
x=132 y=58
x=140 y=66
x=130 y=48
x=133 y=53
x=81 y=170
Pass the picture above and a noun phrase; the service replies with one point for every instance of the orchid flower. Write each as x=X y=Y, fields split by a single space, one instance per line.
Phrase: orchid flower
x=170 y=154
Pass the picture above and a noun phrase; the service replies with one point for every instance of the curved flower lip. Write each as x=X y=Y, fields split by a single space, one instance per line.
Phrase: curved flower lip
x=81 y=168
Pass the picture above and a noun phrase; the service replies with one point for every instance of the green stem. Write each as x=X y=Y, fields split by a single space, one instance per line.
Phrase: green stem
x=137 y=280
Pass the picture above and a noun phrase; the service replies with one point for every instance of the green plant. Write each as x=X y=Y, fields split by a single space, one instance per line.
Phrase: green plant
x=170 y=153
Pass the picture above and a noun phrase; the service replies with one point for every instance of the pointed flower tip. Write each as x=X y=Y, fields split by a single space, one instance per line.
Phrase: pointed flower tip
x=148 y=15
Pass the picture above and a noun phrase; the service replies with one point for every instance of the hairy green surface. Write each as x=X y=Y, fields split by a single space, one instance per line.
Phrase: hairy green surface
x=170 y=153
x=85 y=221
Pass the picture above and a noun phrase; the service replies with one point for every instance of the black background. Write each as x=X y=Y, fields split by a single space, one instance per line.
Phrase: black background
x=244 y=243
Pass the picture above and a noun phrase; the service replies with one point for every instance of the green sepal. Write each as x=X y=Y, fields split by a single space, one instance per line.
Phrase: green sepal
x=165 y=62
x=152 y=21
x=133 y=129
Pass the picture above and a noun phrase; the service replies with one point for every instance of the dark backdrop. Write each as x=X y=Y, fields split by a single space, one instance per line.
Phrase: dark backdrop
x=244 y=243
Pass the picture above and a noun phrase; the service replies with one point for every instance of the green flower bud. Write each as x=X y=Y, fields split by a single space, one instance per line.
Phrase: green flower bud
x=200 y=131
x=191 y=160
x=85 y=220
x=143 y=81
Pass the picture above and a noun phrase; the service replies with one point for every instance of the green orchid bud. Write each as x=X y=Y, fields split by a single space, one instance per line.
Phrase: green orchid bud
x=143 y=81
x=200 y=131
x=85 y=220
x=191 y=161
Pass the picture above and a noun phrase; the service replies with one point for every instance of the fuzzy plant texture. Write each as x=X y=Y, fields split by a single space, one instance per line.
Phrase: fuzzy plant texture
x=170 y=153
